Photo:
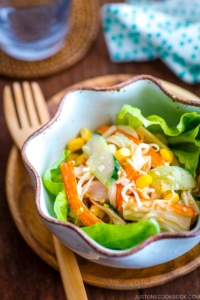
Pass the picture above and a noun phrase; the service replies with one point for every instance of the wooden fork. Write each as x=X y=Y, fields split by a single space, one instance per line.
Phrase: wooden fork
x=26 y=111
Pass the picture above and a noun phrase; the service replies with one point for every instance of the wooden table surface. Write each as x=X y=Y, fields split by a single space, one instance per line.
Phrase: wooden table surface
x=23 y=275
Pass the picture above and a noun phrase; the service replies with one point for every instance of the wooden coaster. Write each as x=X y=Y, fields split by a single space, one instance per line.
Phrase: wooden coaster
x=20 y=195
x=84 y=25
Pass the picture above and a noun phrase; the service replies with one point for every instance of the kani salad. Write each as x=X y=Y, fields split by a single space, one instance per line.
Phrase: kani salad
x=130 y=180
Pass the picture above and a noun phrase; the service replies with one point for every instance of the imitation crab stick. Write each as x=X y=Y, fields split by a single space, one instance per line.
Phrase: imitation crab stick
x=119 y=198
x=157 y=159
x=70 y=184
x=131 y=173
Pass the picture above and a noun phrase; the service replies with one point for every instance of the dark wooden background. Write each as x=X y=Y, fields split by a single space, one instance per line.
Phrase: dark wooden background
x=23 y=275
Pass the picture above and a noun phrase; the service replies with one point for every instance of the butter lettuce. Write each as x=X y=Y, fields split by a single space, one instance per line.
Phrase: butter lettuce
x=183 y=139
x=52 y=178
x=61 y=206
x=130 y=115
x=121 y=237
x=188 y=155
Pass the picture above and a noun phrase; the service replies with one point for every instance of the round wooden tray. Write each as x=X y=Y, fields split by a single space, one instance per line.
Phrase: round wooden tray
x=20 y=196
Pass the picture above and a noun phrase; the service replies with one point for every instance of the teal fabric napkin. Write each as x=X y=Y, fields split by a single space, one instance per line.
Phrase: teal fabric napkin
x=141 y=30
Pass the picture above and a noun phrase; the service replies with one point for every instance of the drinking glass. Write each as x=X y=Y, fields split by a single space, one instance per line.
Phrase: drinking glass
x=33 y=29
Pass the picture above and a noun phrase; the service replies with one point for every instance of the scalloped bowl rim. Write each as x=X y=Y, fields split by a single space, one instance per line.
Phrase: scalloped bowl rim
x=100 y=249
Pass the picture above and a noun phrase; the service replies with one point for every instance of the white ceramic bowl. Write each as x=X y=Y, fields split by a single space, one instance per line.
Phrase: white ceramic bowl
x=91 y=107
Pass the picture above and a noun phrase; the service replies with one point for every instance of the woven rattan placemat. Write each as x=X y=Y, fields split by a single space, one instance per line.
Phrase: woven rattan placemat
x=83 y=30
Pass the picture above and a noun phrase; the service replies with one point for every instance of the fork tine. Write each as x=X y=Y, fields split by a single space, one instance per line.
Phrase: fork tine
x=40 y=103
x=28 y=97
x=11 y=116
x=21 y=109
x=9 y=108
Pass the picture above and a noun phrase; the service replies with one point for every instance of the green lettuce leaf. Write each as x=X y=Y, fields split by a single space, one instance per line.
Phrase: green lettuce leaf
x=52 y=178
x=188 y=155
x=122 y=237
x=61 y=206
x=183 y=138
x=129 y=115
x=190 y=136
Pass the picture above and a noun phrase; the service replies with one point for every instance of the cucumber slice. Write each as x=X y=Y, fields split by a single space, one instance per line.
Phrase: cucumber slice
x=101 y=161
x=171 y=177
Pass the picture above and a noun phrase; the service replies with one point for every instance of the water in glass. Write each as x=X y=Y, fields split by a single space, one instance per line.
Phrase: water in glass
x=33 y=30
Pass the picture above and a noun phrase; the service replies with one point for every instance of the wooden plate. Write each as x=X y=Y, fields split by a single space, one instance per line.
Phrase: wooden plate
x=20 y=196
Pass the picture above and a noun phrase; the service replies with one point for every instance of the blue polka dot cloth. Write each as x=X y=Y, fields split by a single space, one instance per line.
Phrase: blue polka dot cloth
x=141 y=30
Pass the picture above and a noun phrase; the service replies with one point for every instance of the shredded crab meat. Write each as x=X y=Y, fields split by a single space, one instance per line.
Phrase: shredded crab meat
x=115 y=218
x=115 y=141
x=129 y=130
x=119 y=140
x=147 y=164
x=80 y=170
x=86 y=187
x=154 y=146
x=84 y=178
x=97 y=191
x=123 y=181
x=137 y=198
x=146 y=192
x=138 y=158
x=132 y=148
x=110 y=131
x=135 y=167
x=130 y=187
x=126 y=141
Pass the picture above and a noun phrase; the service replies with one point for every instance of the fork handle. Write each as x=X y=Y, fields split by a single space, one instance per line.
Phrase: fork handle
x=74 y=290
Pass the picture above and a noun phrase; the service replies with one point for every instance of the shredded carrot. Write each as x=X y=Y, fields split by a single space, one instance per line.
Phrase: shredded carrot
x=70 y=184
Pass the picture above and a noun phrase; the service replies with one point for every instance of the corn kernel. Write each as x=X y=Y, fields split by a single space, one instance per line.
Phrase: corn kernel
x=173 y=197
x=143 y=181
x=72 y=156
x=167 y=155
x=76 y=144
x=122 y=154
x=96 y=211
x=85 y=134
x=81 y=159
